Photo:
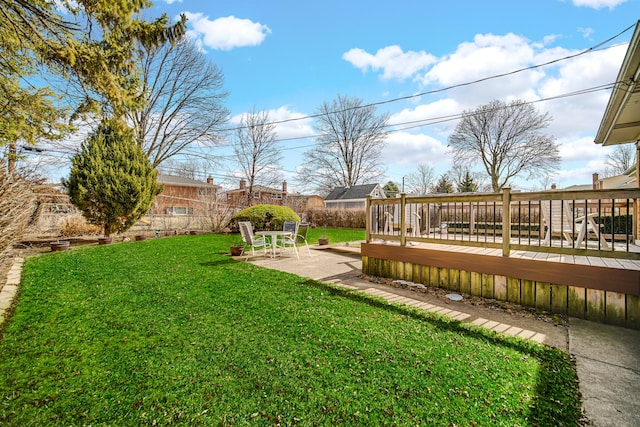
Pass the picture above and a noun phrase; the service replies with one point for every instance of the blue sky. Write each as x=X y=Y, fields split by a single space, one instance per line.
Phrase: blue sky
x=288 y=57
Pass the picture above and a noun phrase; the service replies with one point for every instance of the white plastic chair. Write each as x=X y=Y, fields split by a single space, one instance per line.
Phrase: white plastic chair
x=559 y=218
x=254 y=242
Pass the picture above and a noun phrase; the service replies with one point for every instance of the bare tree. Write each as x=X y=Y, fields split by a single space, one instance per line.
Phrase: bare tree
x=421 y=181
x=184 y=94
x=16 y=206
x=348 y=146
x=621 y=158
x=256 y=151
x=507 y=140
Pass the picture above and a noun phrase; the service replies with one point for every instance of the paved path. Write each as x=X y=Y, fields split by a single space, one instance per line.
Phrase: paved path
x=607 y=357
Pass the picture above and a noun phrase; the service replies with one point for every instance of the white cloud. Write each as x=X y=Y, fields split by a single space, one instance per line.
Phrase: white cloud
x=598 y=4
x=172 y=1
x=295 y=125
x=440 y=112
x=488 y=55
x=394 y=63
x=586 y=32
x=580 y=114
x=408 y=150
x=226 y=33
x=581 y=150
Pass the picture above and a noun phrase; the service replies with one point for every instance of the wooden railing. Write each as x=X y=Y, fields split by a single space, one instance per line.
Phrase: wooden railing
x=586 y=222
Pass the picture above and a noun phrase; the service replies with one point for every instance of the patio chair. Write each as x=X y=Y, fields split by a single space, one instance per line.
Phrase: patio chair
x=254 y=242
x=560 y=219
x=301 y=234
x=290 y=240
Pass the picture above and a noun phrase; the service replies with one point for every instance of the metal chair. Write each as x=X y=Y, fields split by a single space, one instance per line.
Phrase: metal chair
x=301 y=234
x=254 y=242
x=290 y=240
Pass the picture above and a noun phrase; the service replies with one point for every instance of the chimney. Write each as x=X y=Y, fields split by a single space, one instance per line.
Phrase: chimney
x=596 y=177
x=243 y=184
x=210 y=180
x=284 y=187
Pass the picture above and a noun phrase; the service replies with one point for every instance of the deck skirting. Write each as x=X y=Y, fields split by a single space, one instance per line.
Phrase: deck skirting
x=603 y=294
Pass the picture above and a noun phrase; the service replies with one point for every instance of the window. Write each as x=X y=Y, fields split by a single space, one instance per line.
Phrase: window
x=179 y=210
x=205 y=191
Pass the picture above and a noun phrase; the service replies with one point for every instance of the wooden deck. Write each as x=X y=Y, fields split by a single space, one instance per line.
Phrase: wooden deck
x=597 y=288
x=627 y=264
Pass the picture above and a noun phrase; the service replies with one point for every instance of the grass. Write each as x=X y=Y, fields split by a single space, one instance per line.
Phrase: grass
x=335 y=235
x=173 y=332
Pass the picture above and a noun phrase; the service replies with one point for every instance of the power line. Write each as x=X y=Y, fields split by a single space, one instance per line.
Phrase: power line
x=459 y=85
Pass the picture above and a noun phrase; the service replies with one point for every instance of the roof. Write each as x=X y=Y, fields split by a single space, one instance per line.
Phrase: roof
x=353 y=192
x=256 y=188
x=620 y=123
x=183 y=182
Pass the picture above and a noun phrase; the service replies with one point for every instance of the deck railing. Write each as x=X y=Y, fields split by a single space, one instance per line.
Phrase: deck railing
x=586 y=222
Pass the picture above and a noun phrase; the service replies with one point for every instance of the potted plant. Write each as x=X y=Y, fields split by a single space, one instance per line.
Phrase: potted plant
x=237 y=249
x=105 y=240
x=324 y=240
x=59 y=245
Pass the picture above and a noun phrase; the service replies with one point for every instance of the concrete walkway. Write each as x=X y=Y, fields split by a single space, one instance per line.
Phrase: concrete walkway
x=607 y=357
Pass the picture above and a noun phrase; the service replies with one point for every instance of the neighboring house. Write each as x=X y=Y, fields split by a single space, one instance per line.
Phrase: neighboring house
x=354 y=197
x=300 y=203
x=183 y=196
x=260 y=194
x=626 y=180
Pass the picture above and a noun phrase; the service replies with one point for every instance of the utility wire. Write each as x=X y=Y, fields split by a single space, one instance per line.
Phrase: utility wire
x=431 y=92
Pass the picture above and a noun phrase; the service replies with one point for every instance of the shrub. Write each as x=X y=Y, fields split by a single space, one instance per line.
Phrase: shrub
x=337 y=218
x=77 y=225
x=261 y=215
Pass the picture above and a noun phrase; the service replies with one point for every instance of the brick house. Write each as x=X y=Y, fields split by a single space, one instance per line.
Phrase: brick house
x=260 y=194
x=183 y=196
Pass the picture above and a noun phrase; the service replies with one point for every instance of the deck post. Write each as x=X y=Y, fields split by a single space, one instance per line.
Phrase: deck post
x=403 y=218
x=506 y=221
x=367 y=219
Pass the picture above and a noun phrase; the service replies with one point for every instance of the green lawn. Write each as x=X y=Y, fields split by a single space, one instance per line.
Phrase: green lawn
x=173 y=332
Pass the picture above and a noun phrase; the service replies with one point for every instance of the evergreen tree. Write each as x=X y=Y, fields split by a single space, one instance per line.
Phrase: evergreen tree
x=468 y=184
x=391 y=189
x=443 y=185
x=111 y=179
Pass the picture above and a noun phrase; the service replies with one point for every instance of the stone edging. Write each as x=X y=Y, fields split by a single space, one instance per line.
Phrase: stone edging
x=10 y=289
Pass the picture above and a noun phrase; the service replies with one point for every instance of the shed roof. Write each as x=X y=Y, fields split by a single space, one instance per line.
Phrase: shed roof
x=351 y=193
x=182 y=181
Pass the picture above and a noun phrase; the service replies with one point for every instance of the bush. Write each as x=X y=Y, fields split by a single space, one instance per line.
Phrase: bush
x=261 y=215
x=77 y=225
x=337 y=218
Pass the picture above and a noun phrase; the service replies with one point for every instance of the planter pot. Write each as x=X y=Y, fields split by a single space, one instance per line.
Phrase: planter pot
x=236 y=250
x=323 y=241
x=59 y=246
x=141 y=237
x=104 y=240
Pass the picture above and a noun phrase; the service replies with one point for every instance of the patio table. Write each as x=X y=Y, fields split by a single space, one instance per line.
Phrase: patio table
x=273 y=238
